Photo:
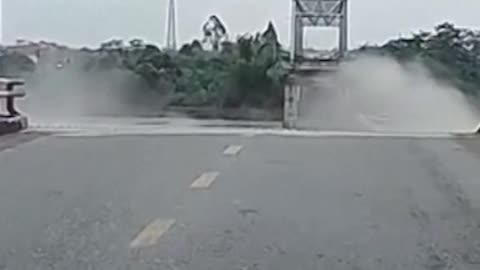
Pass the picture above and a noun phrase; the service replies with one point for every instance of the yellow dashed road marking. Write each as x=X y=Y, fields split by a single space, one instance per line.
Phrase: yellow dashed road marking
x=205 y=180
x=150 y=235
x=233 y=150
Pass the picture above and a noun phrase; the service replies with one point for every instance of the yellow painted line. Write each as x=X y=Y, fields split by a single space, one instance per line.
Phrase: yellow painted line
x=233 y=150
x=205 y=180
x=150 y=235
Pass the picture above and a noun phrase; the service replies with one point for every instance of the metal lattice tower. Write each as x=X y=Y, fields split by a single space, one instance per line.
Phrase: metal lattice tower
x=318 y=13
x=171 y=26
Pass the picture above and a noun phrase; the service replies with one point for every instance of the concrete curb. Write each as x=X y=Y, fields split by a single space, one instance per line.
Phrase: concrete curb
x=13 y=124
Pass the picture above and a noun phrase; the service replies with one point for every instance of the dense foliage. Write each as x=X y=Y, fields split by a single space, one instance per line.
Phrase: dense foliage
x=216 y=72
x=212 y=72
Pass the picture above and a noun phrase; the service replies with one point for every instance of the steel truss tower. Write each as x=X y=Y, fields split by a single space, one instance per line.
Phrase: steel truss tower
x=318 y=13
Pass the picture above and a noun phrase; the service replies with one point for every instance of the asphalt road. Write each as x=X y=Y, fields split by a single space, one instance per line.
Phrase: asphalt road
x=274 y=202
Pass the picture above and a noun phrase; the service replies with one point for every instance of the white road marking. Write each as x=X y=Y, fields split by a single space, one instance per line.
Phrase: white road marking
x=131 y=126
x=282 y=133
x=150 y=235
x=233 y=150
x=205 y=180
x=248 y=132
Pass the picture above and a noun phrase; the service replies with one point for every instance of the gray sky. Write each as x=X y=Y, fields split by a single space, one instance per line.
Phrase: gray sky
x=89 y=22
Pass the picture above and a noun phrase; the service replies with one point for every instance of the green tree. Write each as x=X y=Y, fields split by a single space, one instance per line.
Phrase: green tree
x=214 y=32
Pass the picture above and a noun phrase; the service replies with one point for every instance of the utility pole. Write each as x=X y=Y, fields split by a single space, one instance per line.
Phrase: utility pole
x=171 y=26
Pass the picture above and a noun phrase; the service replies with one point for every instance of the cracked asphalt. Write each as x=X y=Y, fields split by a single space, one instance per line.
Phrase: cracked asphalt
x=274 y=203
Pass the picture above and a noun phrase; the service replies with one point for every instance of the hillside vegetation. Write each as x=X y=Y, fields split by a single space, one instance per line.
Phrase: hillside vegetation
x=213 y=72
x=219 y=73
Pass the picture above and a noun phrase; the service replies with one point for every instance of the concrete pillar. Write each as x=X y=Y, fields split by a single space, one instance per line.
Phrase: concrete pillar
x=291 y=105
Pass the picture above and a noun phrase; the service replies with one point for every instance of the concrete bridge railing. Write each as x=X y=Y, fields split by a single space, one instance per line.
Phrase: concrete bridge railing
x=11 y=120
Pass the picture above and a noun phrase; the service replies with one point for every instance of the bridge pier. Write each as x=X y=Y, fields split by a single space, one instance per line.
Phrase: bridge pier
x=291 y=104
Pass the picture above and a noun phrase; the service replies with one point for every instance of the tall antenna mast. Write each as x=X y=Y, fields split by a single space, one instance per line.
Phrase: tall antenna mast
x=1 y=22
x=171 y=26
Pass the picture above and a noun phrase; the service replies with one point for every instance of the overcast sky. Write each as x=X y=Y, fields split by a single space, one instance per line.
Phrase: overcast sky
x=89 y=22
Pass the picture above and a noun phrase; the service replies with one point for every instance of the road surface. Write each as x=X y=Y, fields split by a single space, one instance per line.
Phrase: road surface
x=242 y=201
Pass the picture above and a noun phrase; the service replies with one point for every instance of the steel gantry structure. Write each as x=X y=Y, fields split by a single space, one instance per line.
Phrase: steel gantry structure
x=318 y=13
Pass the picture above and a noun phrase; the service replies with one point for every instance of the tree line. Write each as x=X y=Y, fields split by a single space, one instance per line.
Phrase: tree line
x=211 y=72
x=249 y=71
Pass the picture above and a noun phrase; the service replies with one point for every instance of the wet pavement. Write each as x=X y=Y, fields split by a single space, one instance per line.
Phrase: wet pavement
x=240 y=201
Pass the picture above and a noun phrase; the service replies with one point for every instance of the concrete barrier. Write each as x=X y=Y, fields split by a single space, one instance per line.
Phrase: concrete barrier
x=11 y=120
